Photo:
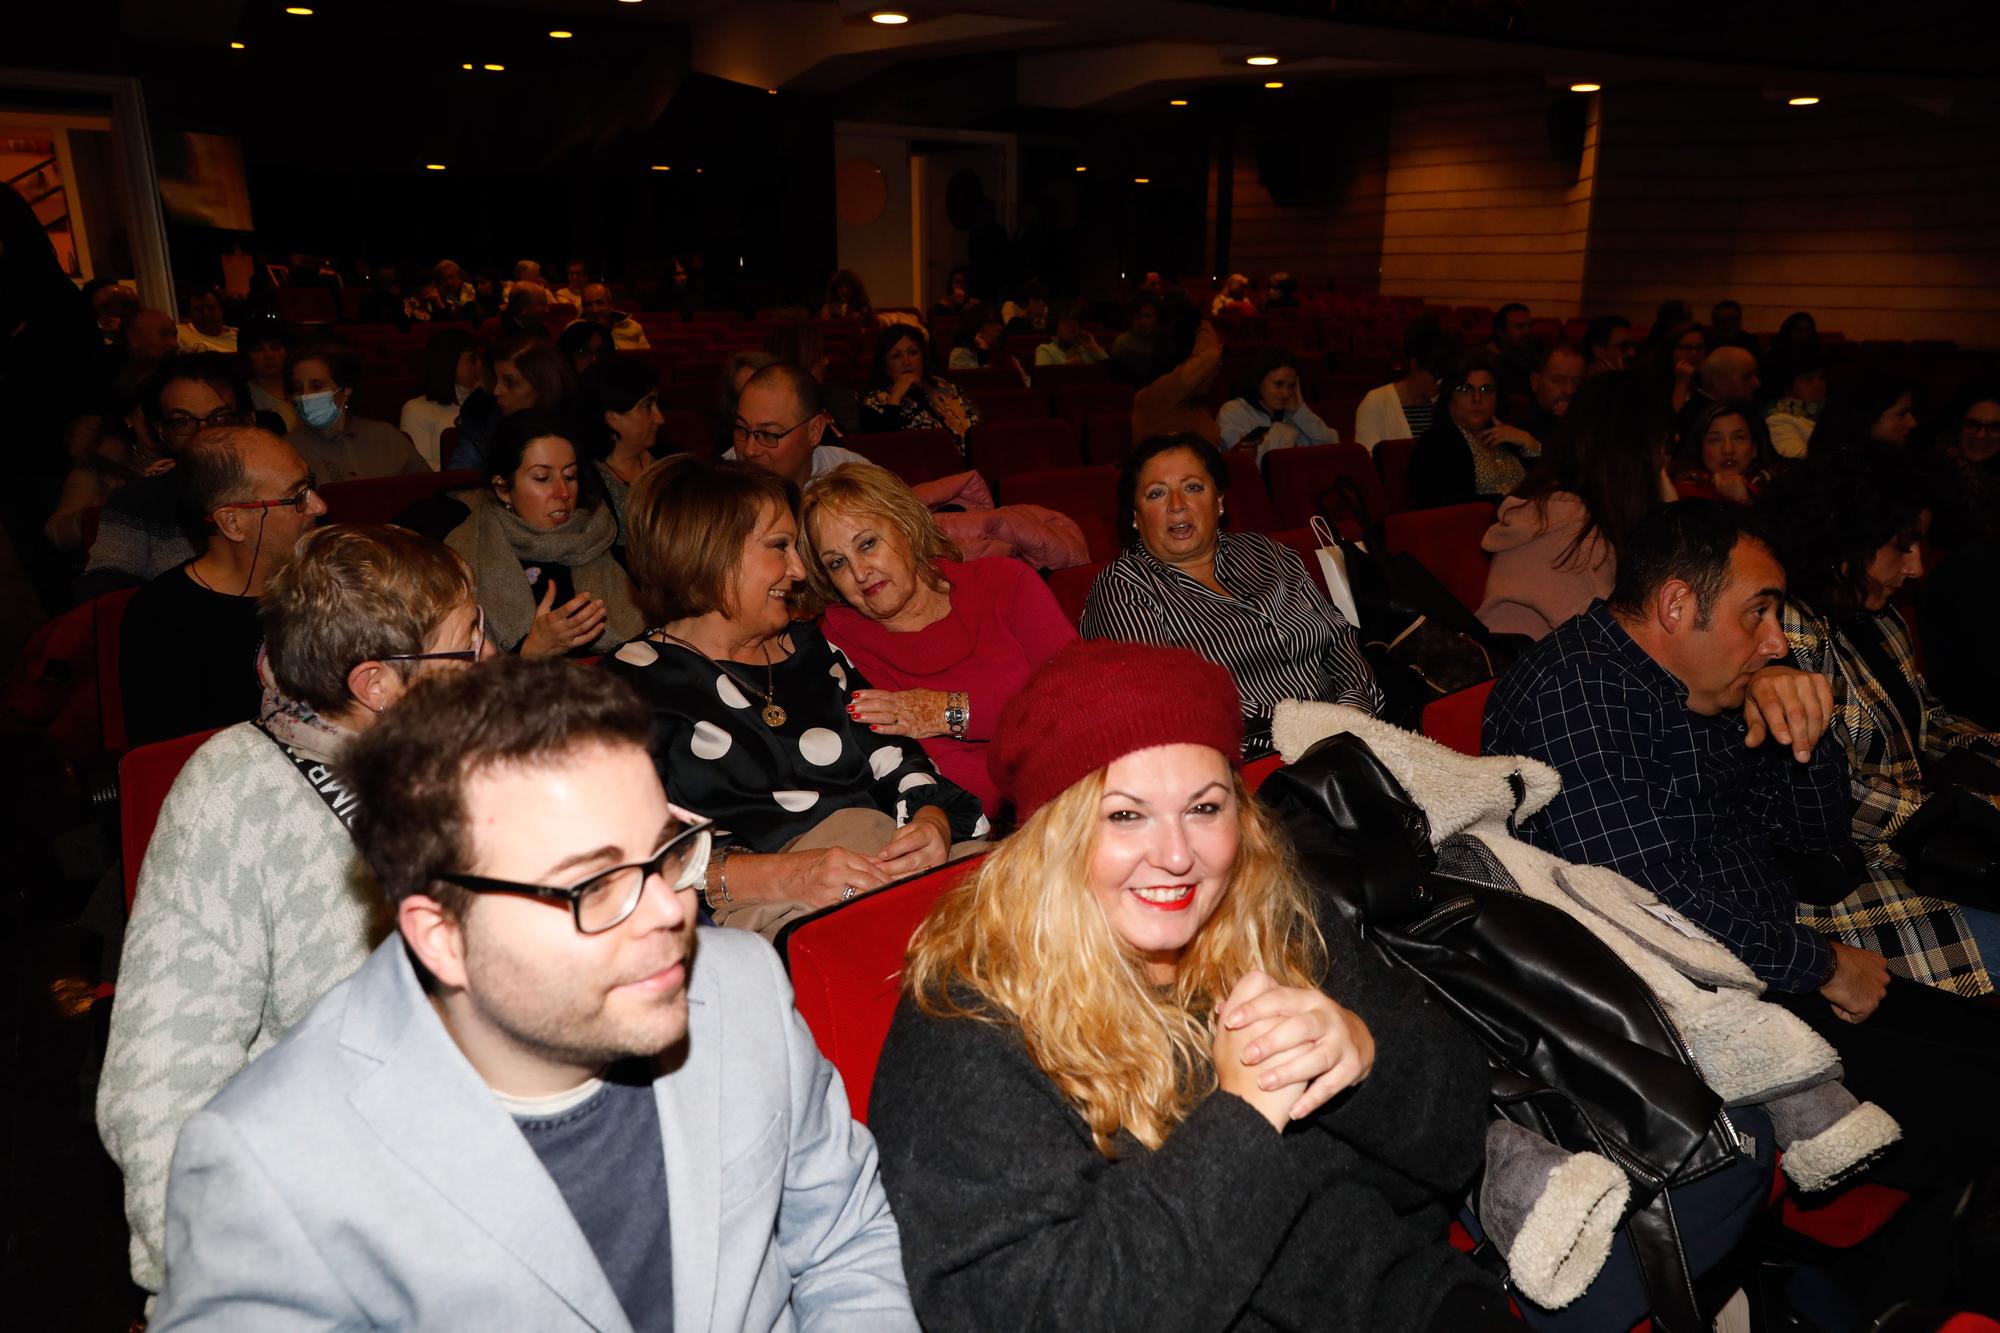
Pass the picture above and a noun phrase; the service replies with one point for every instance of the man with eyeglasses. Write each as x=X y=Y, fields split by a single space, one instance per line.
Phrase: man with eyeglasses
x=188 y=646
x=550 y=1102
x=140 y=534
x=779 y=424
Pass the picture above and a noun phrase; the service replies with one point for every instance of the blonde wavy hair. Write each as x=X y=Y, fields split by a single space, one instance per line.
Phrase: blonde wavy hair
x=865 y=491
x=1025 y=941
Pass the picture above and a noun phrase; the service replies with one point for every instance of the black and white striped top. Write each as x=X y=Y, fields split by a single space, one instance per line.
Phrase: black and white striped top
x=1276 y=631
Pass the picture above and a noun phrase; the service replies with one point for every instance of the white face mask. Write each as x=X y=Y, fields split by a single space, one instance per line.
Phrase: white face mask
x=318 y=409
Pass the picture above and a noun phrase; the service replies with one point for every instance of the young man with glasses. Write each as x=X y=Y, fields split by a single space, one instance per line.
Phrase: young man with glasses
x=252 y=901
x=188 y=648
x=551 y=1102
x=779 y=424
x=139 y=533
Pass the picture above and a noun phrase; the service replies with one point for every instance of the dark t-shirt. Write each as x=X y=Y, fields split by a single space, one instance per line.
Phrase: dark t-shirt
x=605 y=1156
x=187 y=659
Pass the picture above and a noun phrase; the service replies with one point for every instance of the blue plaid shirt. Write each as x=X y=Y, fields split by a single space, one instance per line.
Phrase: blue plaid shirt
x=1667 y=797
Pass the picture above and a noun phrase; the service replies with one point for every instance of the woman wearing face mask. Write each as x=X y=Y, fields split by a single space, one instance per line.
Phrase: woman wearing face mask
x=754 y=729
x=1850 y=531
x=522 y=373
x=336 y=444
x=1138 y=1080
x=264 y=346
x=451 y=374
x=904 y=393
x=617 y=411
x=542 y=549
x=945 y=641
x=1468 y=454
x=1725 y=455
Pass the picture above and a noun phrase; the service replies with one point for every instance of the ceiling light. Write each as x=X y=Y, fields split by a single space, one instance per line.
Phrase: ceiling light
x=1261 y=60
x=772 y=91
x=495 y=68
x=236 y=46
x=433 y=166
x=300 y=10
x=559 y=34
x=888 y=18
x=1178 y=101
x=659 y=167
x=1083 y=168
x=1142 y=180
x=466 y=65
x=1586 y=87
x=1274 y=84
x=1802 y=101
x=697 y=171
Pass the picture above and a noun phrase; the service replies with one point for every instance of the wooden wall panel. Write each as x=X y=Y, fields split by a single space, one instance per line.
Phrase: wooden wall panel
x=1874 y=214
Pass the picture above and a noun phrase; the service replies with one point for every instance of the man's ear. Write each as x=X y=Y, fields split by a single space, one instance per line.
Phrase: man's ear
x=1673 y=607
x=815 y=429
x=437 y=940
x=229 y=522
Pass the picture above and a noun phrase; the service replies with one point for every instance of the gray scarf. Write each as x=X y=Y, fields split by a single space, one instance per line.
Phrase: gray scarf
x=495 y=541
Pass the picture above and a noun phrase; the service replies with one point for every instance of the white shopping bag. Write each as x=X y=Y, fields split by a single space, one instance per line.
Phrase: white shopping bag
x=1333 y=568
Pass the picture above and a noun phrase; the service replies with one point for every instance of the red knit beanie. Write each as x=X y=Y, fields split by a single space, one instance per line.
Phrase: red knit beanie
x=1098 y=700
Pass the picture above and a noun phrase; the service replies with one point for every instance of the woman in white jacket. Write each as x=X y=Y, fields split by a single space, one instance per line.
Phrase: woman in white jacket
x=1405 y=408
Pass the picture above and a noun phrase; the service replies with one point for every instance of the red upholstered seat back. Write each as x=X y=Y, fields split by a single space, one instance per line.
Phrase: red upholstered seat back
x=1010 y=404
x=1392 y=460
x=1000 y=449
x=1304 y=482
x=381 y=499
x=914 y=455
x=1455 y=719
x=846 y=968
x=1446 y=542
x=1072 y=588
x=144 y=778
x=1248 y=503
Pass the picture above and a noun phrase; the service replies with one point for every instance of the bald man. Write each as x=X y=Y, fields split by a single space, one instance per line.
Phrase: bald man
x=626 y=334
x=150 y=335
x=1729 y=373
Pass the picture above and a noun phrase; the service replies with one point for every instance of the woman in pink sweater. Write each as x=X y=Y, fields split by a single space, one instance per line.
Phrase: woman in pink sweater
x=944 y=642
x=1555 y=540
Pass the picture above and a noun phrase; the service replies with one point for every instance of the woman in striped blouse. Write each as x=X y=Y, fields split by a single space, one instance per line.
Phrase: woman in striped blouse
x=1238 y=599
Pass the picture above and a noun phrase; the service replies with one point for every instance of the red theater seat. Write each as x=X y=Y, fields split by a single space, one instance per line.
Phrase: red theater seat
x=1446 y=542
x=682 y=431
x=1087 y=494
x=1392 y=460
x=144 y=777
x=914 y=455
x=1067 y=376
x=108 y=615
x=1248 y=503
x=846 y=965
x=985 y=377
x=1076 y=402
x=1107 y=436
x=1071 y=588
x=1455 y=719
x=382 y=499
x=1015 y=404
x=999 y=449
x=1305 y=482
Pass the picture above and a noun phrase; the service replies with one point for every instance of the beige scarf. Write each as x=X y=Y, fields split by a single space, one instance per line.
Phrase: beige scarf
x=496 y=541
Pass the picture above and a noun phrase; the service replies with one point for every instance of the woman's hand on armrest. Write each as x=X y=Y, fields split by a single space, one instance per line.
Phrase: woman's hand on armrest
x=920 y=844
x=820 y=876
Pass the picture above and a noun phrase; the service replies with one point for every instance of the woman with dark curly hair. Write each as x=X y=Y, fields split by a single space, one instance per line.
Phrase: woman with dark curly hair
x=1725 y=454
x=906 y=393
x=1849 y=531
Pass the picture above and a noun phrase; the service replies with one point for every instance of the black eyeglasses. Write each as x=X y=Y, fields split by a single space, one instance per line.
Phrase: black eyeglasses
x=604 y=900
x=1974 y=426
x=1474 y=390
x=764 y=439
x=455 y=655
x=181 y=425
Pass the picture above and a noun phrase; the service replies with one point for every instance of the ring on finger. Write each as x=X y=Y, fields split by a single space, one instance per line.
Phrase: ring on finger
x=847 y=893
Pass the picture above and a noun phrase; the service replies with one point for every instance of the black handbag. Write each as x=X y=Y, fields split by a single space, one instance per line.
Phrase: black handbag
x=1579 y=1048
x=1951 y=848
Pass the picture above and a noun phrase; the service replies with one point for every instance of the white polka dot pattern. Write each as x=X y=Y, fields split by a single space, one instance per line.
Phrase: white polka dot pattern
x=795 y=801
x=725 y=689
x=709 y=741
x=914 y=780
x=885 y=761
x=639 y=653
x=819 y=746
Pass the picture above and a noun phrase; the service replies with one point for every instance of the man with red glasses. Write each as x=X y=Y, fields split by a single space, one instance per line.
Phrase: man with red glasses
x=188 y=651
x=550 y=1102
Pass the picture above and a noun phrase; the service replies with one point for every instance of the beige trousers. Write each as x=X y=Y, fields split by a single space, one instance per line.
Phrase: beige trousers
x=860 y=829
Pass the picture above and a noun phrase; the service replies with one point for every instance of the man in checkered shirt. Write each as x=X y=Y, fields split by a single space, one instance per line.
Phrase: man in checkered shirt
x=1685 y=754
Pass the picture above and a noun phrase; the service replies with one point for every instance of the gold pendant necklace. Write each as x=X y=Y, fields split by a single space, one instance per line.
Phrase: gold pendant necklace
x=773 y=714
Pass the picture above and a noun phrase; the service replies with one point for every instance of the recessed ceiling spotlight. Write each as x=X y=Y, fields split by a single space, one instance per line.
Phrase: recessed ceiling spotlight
x=888 y=18
x=1177 y=101
x=497 y=69
x=1274 y=84
x=772 y=91
x=466 y=65
x=433 y=166
x=236 y=46
x=1083 y=168
x=1586 y=87
x=1261 y=60
x=657 y=166
x=1142 y=180
x=559 y=34
x=697 y=171
x=1802 y=101
x=300 y=10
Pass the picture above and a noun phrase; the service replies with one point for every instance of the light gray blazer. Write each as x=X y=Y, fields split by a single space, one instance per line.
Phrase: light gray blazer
x=360 y=1175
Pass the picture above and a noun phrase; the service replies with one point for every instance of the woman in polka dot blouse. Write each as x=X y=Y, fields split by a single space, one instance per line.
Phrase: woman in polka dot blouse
x=754 y=724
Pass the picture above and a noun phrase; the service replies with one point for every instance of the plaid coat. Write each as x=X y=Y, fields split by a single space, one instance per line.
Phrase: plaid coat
x=1923 y=938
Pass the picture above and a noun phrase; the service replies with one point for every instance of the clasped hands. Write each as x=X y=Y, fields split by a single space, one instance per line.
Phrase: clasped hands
x=1287 y=1050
